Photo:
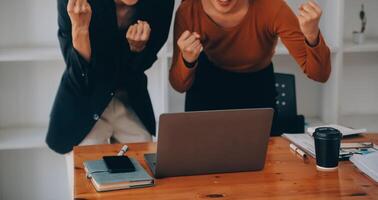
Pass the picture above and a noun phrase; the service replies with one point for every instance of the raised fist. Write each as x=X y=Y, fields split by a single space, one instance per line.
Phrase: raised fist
x=309 y=17
x=138 y=35
x=80 y=13
x=190 y=46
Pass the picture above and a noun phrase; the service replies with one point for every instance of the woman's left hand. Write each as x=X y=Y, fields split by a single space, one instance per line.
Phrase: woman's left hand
x=138 y=36
x=309 y=17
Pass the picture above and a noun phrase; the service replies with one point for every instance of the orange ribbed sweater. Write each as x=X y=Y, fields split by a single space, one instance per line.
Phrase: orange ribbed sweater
x=250 y=45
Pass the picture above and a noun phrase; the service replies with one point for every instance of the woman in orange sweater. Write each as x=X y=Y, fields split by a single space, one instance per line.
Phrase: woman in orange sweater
x=223 y=50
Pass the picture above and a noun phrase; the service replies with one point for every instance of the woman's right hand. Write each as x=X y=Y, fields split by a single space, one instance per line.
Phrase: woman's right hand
x=80 y=13
x=190 y=46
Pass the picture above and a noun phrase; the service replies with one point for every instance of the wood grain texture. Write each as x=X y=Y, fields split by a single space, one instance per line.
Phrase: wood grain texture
x=285 y=176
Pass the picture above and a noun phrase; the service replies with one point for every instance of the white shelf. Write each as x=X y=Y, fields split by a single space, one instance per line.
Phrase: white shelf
x=22 y=137
x=43 y=53
x=370 y=45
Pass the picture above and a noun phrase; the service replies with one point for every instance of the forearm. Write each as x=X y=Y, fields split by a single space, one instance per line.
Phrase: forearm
x=81 y=42
x=308 y=48
x=181 y=77
x=318 y=61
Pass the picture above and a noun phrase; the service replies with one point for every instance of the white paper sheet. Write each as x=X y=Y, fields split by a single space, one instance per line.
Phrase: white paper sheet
x=368 y=164
x=303 y=141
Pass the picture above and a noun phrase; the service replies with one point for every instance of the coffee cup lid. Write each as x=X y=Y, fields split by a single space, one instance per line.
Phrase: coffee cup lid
x=327 y=133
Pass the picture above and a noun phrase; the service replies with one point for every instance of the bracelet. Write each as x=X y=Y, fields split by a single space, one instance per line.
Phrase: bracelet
x=189 y=64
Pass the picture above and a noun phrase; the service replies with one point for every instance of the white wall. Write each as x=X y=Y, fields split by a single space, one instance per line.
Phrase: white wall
x=360 y=84
x=155 y=84
x=27 y=92
x=25 y=23
x=34 y=174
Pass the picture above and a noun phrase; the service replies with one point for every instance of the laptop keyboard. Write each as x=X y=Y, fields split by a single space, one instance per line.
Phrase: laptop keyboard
x=151 y=161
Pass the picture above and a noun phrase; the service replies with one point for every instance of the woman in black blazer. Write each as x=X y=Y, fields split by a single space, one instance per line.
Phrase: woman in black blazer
x=123 y=39
x=107 y=45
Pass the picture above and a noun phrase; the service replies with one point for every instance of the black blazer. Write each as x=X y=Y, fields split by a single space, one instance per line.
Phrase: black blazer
x=87 y=88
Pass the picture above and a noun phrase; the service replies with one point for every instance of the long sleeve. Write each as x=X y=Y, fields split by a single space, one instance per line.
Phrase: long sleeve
x=159 y=16
x=77 y=67
x=314 y=61
x=180 y=76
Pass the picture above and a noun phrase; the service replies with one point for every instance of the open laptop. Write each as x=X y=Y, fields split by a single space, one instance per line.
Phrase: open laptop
x=206 y=142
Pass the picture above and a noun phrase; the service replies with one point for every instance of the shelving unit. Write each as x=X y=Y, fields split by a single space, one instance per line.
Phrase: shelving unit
x=359 y=83
x=30 y=68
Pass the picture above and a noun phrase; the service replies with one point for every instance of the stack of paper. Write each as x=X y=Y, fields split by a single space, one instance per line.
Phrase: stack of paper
x=368 y=164
x=344 y=130
x=306 y=143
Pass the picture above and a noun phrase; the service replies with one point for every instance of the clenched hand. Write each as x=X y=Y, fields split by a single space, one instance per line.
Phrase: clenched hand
x=138 y=35
x=309 y=17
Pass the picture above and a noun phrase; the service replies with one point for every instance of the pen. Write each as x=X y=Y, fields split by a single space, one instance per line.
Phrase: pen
x=123 y=150
x=301 y=153
x=361 y=145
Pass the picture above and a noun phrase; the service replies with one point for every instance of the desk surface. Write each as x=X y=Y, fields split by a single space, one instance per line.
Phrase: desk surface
x=285 y=176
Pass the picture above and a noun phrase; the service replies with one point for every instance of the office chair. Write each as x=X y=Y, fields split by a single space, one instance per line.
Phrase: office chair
x=288 y=121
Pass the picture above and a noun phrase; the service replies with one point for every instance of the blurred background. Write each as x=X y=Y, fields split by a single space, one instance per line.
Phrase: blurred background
x=31 y=66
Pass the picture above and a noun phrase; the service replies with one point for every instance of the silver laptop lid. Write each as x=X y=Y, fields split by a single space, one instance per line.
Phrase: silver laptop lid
x=207 y=142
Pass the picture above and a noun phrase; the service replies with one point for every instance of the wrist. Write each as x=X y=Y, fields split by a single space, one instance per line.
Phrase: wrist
x=80 y=30
x=312 y=39
x=79 y=35
x=81 y=43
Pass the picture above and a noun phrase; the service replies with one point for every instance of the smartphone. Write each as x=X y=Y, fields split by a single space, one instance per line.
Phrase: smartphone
x=118 y=164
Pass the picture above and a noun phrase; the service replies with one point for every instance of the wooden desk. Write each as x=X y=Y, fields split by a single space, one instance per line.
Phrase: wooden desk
x=285 y=176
